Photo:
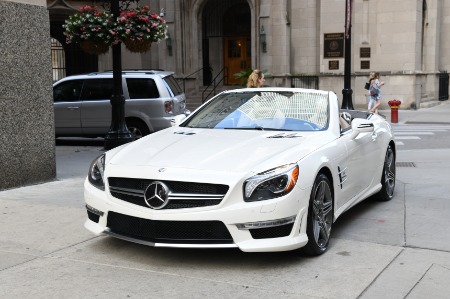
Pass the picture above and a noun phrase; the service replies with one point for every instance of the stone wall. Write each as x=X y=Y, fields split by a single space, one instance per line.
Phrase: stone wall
x=27 y=142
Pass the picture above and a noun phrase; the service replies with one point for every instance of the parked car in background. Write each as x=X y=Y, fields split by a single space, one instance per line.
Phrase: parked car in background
x=260 y=169
x=83 y=109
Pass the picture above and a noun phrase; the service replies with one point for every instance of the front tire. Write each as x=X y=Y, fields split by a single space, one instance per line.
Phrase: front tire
x=320 y=217
x=388 y=177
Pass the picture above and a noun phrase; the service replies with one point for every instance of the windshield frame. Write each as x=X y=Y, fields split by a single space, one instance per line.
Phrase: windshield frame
x=270 y=100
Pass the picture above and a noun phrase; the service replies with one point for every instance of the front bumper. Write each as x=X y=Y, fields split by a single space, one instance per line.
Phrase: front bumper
x=232 y=213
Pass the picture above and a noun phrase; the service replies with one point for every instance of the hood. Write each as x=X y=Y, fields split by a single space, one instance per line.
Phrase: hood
x=221 y=150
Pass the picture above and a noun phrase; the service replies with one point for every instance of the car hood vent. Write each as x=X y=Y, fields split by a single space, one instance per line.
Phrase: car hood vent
x=285 y=135
x=185 y=133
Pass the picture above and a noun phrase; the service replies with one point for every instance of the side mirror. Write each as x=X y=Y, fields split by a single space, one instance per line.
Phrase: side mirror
x=178 y=119
x=360 y=125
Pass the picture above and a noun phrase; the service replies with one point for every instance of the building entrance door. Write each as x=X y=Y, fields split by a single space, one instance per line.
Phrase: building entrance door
x=237 y=57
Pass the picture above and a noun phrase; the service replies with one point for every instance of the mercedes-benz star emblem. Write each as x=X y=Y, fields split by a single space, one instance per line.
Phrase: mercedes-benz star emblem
x=156 y=195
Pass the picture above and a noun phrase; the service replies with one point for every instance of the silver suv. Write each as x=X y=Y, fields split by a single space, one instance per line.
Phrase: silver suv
x=82 y=103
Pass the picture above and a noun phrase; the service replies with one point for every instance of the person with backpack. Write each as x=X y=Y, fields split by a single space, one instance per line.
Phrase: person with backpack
x=375 y=92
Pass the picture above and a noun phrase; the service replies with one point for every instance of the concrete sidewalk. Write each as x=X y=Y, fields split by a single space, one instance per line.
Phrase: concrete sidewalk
x=439 y=114
x=397 y=249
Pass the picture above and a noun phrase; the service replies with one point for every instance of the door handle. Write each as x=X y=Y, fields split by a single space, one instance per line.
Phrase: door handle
x=73 y=108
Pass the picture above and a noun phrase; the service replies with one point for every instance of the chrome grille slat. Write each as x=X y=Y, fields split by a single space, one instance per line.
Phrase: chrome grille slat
x=127 y=191
x=179 y=196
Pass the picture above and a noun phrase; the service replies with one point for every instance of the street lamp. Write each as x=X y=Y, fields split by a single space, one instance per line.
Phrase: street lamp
x=347 y=91
x=118 y=133
x=262 y=37
x=169 y=44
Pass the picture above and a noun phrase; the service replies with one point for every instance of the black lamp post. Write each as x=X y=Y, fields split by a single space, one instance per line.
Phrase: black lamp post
x=347 y=91
x=118 y=133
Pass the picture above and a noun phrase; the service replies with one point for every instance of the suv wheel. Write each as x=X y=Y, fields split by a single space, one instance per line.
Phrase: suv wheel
x=137 y=128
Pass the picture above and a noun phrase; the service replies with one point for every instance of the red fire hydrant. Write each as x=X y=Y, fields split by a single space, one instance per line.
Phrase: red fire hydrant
x=394 y=105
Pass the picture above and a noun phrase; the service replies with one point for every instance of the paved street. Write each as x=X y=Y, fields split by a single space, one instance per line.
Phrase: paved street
x=396 y=249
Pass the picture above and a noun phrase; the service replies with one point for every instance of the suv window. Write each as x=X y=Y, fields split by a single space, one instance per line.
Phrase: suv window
x=68 y=91
x=142 y=88
x=97 y=89
x=173 y=85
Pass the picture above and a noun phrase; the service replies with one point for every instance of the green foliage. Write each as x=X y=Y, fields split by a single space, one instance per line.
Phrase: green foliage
x=141 y=24
x=90 y=24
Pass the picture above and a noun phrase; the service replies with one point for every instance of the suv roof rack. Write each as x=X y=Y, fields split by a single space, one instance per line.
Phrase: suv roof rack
x=140 y=71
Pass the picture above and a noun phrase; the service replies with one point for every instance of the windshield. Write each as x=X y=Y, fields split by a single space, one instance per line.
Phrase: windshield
x=284 y=111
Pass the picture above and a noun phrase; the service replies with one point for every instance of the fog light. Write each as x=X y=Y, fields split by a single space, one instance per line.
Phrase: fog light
x=265 y=224
x=94 y=210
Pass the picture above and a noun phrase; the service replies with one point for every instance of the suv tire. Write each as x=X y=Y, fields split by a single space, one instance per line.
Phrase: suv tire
x=137 y=128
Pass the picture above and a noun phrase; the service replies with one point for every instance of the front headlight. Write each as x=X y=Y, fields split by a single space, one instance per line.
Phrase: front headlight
x=96 y=172
x=271 y=184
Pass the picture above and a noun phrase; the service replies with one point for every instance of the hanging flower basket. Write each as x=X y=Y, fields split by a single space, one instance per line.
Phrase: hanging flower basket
x=95 y=48
x=96 y=29
x=92 y=29
x=138 y=28
x=138 y=46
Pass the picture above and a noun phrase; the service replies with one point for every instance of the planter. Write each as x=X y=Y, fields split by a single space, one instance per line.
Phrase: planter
x=94 y=48
x=138 y=46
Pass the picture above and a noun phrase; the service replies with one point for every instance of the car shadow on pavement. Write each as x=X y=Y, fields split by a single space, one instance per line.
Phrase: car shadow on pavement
x=78 y=141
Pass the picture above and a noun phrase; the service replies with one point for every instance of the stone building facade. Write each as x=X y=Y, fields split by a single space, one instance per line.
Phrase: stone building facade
x=301 y=40
x=298 y=42
x=27 y=142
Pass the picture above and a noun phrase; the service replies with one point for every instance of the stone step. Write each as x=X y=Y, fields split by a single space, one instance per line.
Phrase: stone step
x=429 y=104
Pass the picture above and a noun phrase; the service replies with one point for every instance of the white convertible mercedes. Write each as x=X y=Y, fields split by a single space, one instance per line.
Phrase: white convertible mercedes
x=266 y=169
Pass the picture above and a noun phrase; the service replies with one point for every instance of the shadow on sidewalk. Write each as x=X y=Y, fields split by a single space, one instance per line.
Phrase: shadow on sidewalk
x=79 y=141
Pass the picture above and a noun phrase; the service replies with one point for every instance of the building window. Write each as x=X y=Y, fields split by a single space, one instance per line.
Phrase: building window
x=58 y=60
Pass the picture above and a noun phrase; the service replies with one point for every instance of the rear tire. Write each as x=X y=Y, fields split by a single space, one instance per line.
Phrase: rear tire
x=137 y=128
x=320 y=217
x=388 y=177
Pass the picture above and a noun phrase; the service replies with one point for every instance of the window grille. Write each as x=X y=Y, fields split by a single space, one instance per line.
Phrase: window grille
x=308 y=82
x=58 y=60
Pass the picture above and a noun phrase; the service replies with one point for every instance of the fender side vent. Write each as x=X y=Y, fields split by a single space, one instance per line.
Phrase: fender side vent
x=185 y=133
x=405 y=164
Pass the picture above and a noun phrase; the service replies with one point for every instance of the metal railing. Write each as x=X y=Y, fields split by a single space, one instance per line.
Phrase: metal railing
x=215 y=82
x=187 y=77
x=443 y=86
x=58 y=60
x=309 y=82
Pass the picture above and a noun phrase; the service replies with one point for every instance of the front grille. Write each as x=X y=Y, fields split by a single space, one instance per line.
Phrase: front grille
x=272 y=232
x=156 y=231
x=182 y=194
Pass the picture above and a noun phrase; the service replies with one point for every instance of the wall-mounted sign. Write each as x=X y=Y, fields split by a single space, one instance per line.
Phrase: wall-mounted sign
x=333 y=45
x=365 y=64
x=364 y=52
x=333 y=64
